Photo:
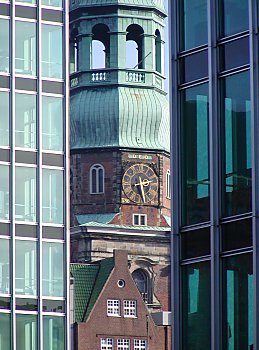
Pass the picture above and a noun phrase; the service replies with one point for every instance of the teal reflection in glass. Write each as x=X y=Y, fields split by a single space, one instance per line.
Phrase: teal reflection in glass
x=4 y=117
x=237 y=302
x=237 y=162
x=53 y=269
x=25 y=48
x=52 y=197
x=5 y=332
x=25 y=121
x=195 y=160
x=52 y=123
x=4 y=192
x=26 y=332
x=53 y=333
x=193 y=25
x=196 y=306
x=52 y=50
x=4 y=267
x=4 y=47
x=234 y=15
x=27 y=1
x=52 y=3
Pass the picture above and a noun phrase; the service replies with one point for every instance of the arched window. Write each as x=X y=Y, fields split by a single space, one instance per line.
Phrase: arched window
x=158 y=47
x=100 y=56
x=141 y=279
x=73 y=52
x=135 y=34
x=96 y=179
x=168 y=184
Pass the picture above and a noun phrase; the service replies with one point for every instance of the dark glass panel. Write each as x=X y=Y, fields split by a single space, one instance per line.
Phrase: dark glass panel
x=5 y=303
x=54 y=305
x=53 y=232
x=52 y=15
x=237 y=301
x=237 y=158
x=195 y=243
x=237 y=234
x=196 y=306
x=26 y=304
x=26 y=230
x=193 y=25
x=53 y=87
x=234 y=54
x=4 y=82
x=234 y=16
x=5 y=10
x=194 y=67
x=4 y=229
x=25 y=12
x=26 y=157
x=52 y=159
x=195 y=157
x=4 y=153
x=26 y=84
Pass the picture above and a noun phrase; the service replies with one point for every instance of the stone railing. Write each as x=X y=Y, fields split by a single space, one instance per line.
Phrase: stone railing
x=135 y=77
x=100 y=76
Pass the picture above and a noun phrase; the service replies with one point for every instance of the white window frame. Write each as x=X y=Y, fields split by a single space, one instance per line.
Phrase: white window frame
x=106 y=343
x=140 y=344
x=97 y=168
x=130 y=308
x=168 y=184
x=123 y=344
x=113 y=307
x=138 y=218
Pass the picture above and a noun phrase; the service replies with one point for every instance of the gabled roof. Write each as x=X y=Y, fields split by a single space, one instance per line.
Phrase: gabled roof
x=89 y=280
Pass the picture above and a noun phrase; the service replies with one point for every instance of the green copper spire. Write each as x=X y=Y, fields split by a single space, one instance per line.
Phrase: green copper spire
x=115 y=106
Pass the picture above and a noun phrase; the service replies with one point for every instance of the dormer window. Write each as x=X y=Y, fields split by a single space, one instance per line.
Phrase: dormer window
x=97 y=179
x=139 y=219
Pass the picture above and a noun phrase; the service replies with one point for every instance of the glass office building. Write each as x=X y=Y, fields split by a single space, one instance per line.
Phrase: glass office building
x=215 y=162
x=33 y=175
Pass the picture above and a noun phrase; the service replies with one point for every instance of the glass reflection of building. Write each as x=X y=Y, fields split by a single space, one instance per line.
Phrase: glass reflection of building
x=33 y=175
x=215 y=153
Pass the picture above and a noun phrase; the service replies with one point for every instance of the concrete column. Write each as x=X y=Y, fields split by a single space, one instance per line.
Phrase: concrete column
x=148 y=52
x=84 y=51
x=118 y=50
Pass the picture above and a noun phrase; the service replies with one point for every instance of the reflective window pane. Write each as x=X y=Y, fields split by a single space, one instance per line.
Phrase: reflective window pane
x=26 y=332
x=4 y=192
x=196 y=306
x=27 y=1
x=52 y=197
x=25 y=45
x=52 y=123
x=5 y=332
x=53 y=333
x=195 y=157
x=234 y=16
x=237 y=162
x=194 y=67
x=25 y=194
x=52 y=51
x=53 y=3
x=237 y=235
x=25 y=267
x=194 y=31
x=234 y=54
x=53 y=269
x=4 y=49
x=4 y=116
x=25 y=120
x=4 y=267
x=238 y=302
x=195 y=243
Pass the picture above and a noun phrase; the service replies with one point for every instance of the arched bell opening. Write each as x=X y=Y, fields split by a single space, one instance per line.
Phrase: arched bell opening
x=135 y=47
x=100 y=48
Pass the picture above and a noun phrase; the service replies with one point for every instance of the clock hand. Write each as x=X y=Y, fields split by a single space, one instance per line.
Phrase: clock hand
x=142 y=189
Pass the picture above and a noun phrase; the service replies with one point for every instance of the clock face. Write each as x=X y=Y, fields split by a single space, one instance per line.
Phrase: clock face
x=140 y=183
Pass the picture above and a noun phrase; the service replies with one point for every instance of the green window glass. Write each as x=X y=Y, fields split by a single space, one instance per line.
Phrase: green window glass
x=196 y=306
x=237 y=158
x=52 y=123
x=195 y=158
x=53 y=333
x=52 y=197
x=26 y=332
x=4 y=267
x=234 y=15
x=25 y=46
x=53 y=269
x=4 y=48
x=193 y=23
x=52 y=3
x=25 y=194
x=25 y=267
x=5 y=332
x=4 y=116
x=238 y=302
x=25 y=120
x=27 y=1
x=52 y=39
x=4 y=192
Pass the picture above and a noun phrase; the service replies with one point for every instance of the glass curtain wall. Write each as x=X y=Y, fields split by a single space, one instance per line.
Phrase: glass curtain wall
x=215 y=227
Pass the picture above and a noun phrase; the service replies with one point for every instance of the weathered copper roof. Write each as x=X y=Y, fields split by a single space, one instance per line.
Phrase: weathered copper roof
x=149 y=3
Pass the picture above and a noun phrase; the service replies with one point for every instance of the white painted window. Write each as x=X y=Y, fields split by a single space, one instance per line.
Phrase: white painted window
x=113 y=307
x=123 y=344
x=168 y=184
x=106 y=344
x=97 y=179
x=140 y=344
x=130 y=308
x=139 y=219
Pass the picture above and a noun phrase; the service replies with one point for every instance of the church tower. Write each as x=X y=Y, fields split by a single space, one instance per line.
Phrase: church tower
x=119 y=113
